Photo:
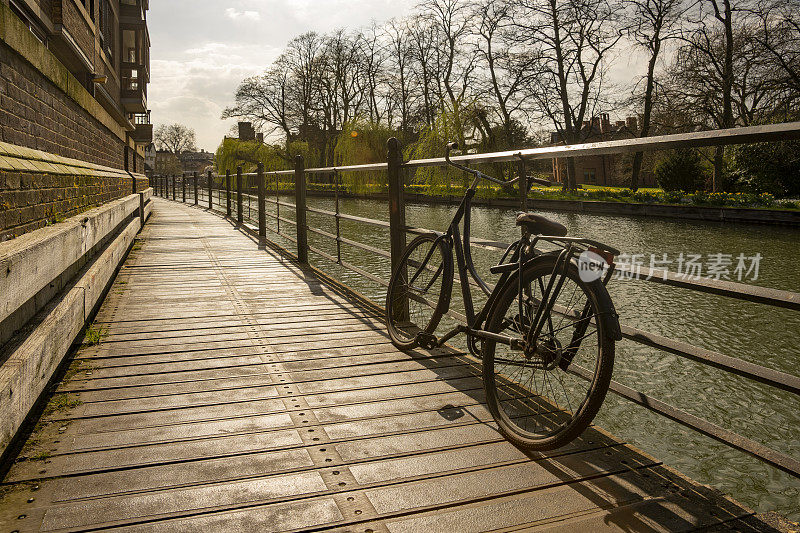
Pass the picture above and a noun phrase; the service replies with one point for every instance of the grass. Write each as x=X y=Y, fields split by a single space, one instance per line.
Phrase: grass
x=40 y=456
x=61 y=402
x=94 y=335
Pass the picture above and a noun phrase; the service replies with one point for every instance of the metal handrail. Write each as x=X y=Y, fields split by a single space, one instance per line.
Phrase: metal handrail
x=740 y=291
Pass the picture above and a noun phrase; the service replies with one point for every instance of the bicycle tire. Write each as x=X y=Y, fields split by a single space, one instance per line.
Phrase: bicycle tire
x=513 y=404
x=401 y=325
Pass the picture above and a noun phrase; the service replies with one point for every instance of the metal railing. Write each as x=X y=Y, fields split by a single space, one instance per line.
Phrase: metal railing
x=229 y=188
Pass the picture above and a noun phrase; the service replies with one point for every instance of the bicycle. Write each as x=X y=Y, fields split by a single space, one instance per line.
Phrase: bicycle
x=546 y=334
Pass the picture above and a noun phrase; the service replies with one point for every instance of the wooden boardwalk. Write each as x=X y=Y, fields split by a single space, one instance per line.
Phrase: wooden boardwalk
x=234 y=391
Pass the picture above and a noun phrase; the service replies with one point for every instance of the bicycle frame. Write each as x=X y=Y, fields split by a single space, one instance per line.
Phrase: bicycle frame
x=517 y=258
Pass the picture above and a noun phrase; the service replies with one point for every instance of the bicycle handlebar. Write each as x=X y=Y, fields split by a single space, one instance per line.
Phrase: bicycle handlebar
x=479 y=174
x=476 y=173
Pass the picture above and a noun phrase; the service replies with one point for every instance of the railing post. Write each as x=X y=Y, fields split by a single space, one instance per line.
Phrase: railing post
x=239 y=214
x=523 y=185
x=262 y=208
x=300 y=203
x=210 y=187
x=397 y=208
x=174 y=185
x=228 y=193
x=194 y=175
x=183 y=187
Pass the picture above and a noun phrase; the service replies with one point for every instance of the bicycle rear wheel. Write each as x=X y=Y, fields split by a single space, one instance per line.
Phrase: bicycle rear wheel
x=537 y=404
x=419 y=290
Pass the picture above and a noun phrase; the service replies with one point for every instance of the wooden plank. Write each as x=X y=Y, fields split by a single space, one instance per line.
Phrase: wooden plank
x=234 y=390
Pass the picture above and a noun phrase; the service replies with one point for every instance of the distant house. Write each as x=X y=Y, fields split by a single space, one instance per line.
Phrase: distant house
x=150 y=158
x=601 y=170
x=196 y=161
x=166 y=163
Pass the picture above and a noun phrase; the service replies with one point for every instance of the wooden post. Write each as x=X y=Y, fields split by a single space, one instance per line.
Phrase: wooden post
x=228 y=193
x=397 y=218
x=173 y=187
x=239 y=214
x=183 y=188
x=300 y=202
x=397 y=208
x=210 y=186
x=262 y=207
x=194 y=175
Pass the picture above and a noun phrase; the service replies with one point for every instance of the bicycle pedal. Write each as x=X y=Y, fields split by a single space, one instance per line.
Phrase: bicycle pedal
x=427 y=340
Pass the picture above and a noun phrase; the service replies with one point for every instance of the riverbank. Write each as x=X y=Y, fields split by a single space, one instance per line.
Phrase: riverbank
x=786 y=217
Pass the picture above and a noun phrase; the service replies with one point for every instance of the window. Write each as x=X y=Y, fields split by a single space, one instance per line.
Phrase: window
x=129 y=48
x=106 y=27
x=589 y=175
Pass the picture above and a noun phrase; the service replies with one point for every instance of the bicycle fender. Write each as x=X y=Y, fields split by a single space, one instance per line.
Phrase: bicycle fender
x=608 y=316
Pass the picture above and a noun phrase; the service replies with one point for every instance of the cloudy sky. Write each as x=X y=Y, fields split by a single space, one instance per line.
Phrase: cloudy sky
x=201 y=50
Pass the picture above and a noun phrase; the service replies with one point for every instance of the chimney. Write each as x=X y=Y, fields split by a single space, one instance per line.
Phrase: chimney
x=585 y=123
x=260 y=137
x=605 y=124
x=595 y=123
x=631 y=122
x=246 y=131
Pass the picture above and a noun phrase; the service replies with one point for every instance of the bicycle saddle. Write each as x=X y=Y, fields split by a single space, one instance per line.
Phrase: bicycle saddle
x=539 y=225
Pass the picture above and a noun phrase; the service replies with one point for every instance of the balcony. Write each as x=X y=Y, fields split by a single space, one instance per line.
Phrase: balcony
x=134 y=88
x=133 y=12
x=143 y=134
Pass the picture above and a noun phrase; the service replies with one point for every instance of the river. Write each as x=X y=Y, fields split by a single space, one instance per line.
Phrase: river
x=758 y=333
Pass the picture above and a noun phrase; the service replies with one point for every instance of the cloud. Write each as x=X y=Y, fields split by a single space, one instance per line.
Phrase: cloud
x=253 y=16
x=201 y=51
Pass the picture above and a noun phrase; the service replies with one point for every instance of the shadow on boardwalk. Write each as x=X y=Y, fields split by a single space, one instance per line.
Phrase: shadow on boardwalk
x=235 y=390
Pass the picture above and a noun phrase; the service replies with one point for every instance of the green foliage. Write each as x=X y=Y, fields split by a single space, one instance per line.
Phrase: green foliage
x=61 y=402
x=94 y=336
x=361 y=143
x=448 y=126
x=681 y=170
x=233 y=152
x=772 y=168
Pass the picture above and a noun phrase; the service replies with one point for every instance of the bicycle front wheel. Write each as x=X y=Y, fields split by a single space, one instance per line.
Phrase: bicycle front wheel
x=545 y=399
x=419 y=290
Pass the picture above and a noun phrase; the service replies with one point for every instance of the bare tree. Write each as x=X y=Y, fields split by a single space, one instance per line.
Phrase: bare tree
x=652 y=23
x=707 y=56
x=571 y=41
x=779 y=36
x=400 y=77
x=266 y=100
x=175 y=138
x=421 y=33
x=508 y=69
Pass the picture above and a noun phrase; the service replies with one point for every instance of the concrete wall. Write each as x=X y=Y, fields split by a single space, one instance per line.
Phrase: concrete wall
x=30 y=358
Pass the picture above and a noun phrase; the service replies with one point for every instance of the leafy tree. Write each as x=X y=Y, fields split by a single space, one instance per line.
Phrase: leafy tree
x=681 y=170
x=768 y=167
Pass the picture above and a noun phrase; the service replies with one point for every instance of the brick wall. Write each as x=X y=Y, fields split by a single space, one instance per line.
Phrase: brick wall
x=30 y=200
x=37 y=114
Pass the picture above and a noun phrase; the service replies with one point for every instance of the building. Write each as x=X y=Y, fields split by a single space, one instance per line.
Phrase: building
x=73 y=108
x=608 y=170
x=166 y=163
x=150 y=158
x=91 y=103
x=196 y=161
